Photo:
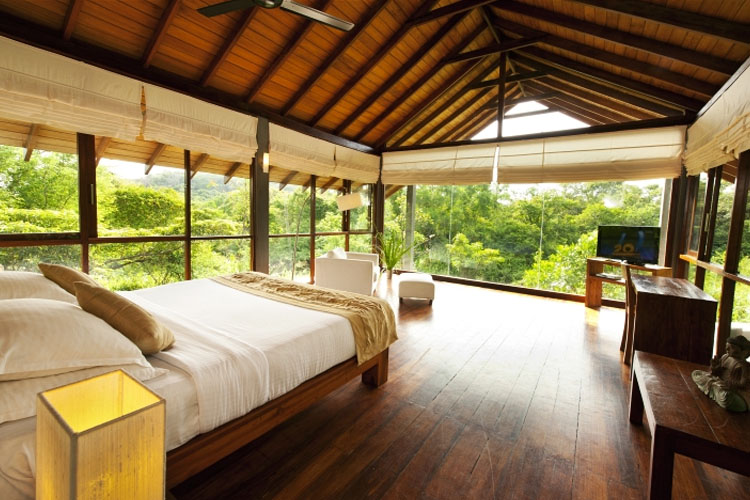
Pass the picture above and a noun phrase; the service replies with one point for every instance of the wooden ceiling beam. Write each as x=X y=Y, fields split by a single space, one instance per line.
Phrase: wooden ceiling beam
x=31 y=139
x=158 y=150
x=285 y=53
x=71 y=18
x=449 y=10
x=650 y=45
x=393 y=189
x=636 y=66
x=421 y=82
x=198 y=164
x=229 y=43
x=104 y=143
x=693 y=21
x=582 y=115
x=464 y=123
x=495 y=49
x=161 y=29
x=350 y=37
x=371 y=63
x=285 y=182
x=599 y=109
x=473 y=123
x=233 y=170
x=518 y=77
x=527 y=114
x=328 y=184
x=402 y=71
x=529 y=98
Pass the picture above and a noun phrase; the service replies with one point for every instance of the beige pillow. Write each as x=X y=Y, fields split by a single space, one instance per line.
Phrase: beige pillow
x=65 y=276
x=130 y=319
x=22 y=285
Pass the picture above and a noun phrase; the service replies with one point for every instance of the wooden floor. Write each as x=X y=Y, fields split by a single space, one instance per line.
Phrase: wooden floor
x=491 y=395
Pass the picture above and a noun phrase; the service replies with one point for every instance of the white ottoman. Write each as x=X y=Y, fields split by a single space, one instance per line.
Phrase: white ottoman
x=416 y=285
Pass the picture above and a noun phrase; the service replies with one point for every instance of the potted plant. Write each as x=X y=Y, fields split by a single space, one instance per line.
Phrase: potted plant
x=391 y=248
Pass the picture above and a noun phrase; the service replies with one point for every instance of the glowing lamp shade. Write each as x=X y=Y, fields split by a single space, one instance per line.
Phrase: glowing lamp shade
x=100 y=438
x=349 y=201
x=266 y=163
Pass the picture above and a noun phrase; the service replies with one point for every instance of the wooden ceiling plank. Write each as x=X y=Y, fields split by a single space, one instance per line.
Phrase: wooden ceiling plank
x=328 y=184
x=71 y=18
x=663 y=49
x=31 y=139
x=700 y=23
x=287 y=180
x=518 y=77
x=285 y=53
x=351 y=36
x=232 y=170
x=448 y=10
x=495 y=49
x=104 y=143
x=371 y=63
x=642 y=67
x=158 y=150
x=198 y=164
x=161 y=29
x=403 y=70
x=421 y=82
x=230 y=42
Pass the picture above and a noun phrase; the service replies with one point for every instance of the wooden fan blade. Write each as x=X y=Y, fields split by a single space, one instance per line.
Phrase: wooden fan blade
x=224 y=7
x=316 y=15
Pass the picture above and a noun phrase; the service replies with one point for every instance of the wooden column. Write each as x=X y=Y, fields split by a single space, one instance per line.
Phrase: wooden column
x=86 y=145
x=501 y=93
x=188 y=215
x=734 y=245
x=313 y=197
x=675 y=236
x=260 y=200
x=378 y=210
x=708 y=215
x=411 y=217
x=346 y=217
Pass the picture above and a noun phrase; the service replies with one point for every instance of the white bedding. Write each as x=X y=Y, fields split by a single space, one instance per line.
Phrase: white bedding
x=233 y=352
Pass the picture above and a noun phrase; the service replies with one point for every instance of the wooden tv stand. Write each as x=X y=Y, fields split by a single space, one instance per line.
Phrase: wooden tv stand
x=595 y=276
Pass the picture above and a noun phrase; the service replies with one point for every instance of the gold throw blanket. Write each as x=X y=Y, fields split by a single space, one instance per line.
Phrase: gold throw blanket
x=372 y=319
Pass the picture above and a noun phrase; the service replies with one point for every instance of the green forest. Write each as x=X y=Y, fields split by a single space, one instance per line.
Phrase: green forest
x=537 y=236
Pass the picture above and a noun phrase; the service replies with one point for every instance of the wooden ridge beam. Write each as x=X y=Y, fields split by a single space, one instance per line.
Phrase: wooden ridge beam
x=71 y=18
x=350 y=37
x=161 y=29
x=285 y=182
x=327 y=185
x=693 y=21
x=636 y=66
x=518 y=77
x=449 y=10
x=31 y=139
x=196 y=166
x=652 y=46
x=232 y=170
x=229 y=43
x=158 y=150
x=420 y=83
x=285 y=53
x=401 y=72
x=371 y=63
x=495 y=49
x=104 y=143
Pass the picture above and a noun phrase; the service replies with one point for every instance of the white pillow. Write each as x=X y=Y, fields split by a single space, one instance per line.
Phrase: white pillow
x=18 y=397
x=21 y=285
x=336 y=253
x=40 y=337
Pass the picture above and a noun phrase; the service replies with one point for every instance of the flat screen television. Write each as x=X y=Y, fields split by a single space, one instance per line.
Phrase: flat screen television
x=634 y=244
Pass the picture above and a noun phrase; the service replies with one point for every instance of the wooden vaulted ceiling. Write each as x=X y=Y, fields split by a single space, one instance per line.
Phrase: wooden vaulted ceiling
x=410 y=72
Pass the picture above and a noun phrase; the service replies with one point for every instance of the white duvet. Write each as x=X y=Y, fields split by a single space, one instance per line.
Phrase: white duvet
x=233 y=352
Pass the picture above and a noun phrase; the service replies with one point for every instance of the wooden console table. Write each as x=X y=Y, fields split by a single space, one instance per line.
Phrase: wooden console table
x=684 y=420
x=595 y=276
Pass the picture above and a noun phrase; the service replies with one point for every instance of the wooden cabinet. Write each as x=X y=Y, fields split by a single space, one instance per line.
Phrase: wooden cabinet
x=596 y=275
x=673 y=318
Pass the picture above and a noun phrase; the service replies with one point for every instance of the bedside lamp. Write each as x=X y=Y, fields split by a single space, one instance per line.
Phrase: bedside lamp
x=100 y=438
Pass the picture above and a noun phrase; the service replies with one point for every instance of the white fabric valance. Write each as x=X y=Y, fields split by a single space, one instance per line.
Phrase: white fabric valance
x=356 y=166
x=723 y=131
x=41 y=87
x=295 y=151
x=625 y=155
x=189 y=123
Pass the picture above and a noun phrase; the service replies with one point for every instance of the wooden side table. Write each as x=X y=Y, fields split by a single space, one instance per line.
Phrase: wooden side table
x=596 y=275
x=684 y=420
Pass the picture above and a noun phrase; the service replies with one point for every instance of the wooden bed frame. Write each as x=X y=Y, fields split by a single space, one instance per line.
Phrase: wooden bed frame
x=210 y=447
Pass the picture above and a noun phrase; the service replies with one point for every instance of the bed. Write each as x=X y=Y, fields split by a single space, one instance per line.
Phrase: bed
x=241 y=364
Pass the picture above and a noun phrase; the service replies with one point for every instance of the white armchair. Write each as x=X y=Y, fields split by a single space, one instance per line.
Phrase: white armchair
x=358 y=272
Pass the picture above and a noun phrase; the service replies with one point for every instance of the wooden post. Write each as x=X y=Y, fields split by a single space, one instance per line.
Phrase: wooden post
x=188 y=215
x=346 y=218
x=501 y=93
x=411 y=217
x=259 y=207
x=313 y=179
x=700 y=273
x=378 y=201
x=86 y=145
x=676 y=236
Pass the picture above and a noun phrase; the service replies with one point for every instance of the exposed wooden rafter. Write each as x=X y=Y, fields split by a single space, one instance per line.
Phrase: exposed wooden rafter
x=232 y=170
x=154 y=157
x=518 y=77
x=30 y=142
x=584 y=114
x=514 y=102
x=452 y=116
x=463 y=124
x=392 y=189
x=104 y=143
x=287 y=180
x=600 y=107
x=448 y=10
x=198 y=164
x=328 y=184
x=161 y=29
x=229 y=43
x=495 y=49
x=71 y=18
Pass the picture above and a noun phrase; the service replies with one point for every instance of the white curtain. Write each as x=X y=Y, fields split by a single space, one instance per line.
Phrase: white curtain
x=41 y=87
x=356 y=166
x=295 y=151
x=189 y=123
x=723 y=131
x=626 y=155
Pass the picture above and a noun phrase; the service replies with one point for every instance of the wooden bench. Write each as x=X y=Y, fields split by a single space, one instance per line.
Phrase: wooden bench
x=684 y=420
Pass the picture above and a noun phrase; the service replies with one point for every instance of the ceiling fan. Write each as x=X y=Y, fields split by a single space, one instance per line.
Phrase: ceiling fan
x=288 y=5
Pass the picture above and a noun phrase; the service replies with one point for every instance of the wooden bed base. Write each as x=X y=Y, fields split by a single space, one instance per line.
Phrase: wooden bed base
x=210 y=447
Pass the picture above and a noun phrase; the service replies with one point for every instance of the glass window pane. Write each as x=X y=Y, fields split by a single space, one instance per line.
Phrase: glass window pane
x=285 y=251
x=288 y=210
x=327 y=216
x=130 y=203
x=218 y=257
x=360 y=243
x=360 y=217
x=698 y=214
x=26 y=258
x=38 y=196
x=325 y=243
x=723 y=217
x=741 y=308
x=129 y=266
x=219 y=209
